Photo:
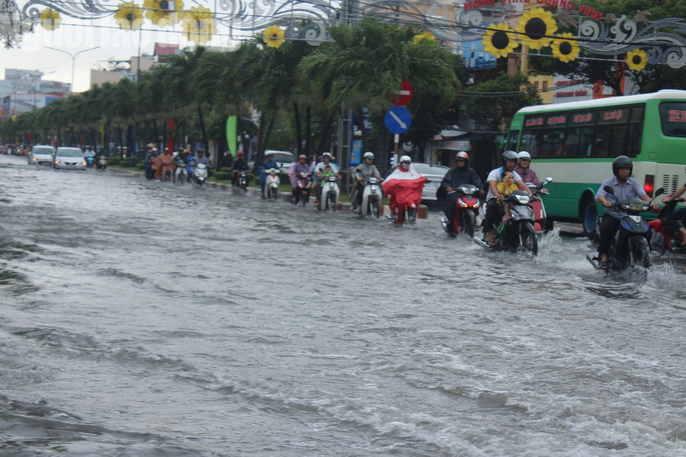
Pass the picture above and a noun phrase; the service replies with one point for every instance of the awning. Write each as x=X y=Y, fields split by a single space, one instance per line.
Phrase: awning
x=459 y=143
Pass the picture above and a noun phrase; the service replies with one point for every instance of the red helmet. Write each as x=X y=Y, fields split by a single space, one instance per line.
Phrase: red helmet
x=240 y=153
x=302 y=156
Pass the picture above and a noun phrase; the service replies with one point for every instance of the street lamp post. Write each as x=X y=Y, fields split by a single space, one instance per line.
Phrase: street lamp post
x=73 y=61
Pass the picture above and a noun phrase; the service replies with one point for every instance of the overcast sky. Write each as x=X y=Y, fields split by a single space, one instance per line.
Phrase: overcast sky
x=113 y=44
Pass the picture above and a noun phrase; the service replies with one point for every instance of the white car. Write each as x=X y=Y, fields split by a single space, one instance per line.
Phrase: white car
x=434 y=175
x=41 y=155
x=69 y=159
x=285 y=159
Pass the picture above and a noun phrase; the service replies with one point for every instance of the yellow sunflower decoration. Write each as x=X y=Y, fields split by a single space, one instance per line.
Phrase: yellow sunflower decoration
x=50 y=19
x=565 y=47
x=198 y=24
x=273 y=36
x=129 y=16
x=499 y=40
x=424 y=36
x=536 y=28
x=163 y=12
x=636 y=59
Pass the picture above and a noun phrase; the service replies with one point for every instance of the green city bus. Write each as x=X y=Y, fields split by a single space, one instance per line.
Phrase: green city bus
x=575 y=144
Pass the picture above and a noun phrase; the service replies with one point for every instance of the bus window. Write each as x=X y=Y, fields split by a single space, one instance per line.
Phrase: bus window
x=635 y=132
x=530 y=142
x=586 y=137
x=512 y=140
x=673 y=117
x=551 y=146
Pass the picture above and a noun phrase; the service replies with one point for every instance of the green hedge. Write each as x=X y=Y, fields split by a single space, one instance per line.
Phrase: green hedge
x=114 y=160
x=223 y=175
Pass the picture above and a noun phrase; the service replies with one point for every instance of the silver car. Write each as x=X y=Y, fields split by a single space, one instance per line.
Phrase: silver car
x=41 y=155
x=434 y=175
x=69 y=159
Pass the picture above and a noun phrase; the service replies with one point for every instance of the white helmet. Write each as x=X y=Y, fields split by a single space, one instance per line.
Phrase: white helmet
x=524 y=155
x=405 y=159
x=369 y=155
x=326 y=154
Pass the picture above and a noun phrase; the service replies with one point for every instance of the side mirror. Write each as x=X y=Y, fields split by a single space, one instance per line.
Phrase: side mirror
x=549 y=179
x=609 y=190
x=660 y=191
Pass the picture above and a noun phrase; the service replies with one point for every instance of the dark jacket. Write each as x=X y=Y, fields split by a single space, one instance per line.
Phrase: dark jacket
x=455 y=178
x=239 y=165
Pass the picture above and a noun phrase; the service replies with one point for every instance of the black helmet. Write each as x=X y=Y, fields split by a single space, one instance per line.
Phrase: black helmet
x=510 y=155
x=622 y=162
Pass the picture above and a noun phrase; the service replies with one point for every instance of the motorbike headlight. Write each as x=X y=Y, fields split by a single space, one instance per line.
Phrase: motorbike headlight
x=476 y=205
x=462 y=204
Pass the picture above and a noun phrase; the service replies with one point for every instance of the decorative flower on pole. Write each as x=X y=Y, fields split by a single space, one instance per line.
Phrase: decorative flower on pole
x=50 y=19
x=499 y=40
x=163 y=12
x=636 y=59
x=536 y=28
x=424 y=36
x=273 y=36
x=129 y=16
x=198 y=24
x=565 y=47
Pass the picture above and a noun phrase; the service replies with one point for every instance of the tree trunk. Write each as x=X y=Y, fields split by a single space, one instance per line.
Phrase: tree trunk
x=157 y=135
x=205 y=143
x=325 y=134
x=308 y=131
x=121 y=142
x=298 y=130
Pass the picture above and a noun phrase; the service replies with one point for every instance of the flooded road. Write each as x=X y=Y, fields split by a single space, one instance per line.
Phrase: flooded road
x=142 y=319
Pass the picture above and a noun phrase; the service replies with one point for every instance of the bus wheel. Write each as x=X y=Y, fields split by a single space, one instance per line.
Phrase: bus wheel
x=589 y=213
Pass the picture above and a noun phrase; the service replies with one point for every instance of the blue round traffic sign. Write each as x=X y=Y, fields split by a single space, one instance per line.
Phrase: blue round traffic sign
x=398 y=119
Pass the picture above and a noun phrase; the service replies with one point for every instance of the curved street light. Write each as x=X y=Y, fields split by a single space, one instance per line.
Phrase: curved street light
x=73 y=61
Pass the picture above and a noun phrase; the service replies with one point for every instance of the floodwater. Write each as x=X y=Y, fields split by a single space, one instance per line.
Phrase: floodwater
x=142 y=319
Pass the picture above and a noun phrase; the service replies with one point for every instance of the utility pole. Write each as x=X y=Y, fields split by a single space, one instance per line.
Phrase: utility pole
x=350 y=17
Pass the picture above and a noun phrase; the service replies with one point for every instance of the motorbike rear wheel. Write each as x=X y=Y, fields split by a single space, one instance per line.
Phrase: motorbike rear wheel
x=640 y=252
x=528 y=239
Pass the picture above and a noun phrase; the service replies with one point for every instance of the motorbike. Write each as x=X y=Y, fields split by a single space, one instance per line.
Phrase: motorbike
x=404 y=215
x=371 y=198
x=243 y=181
x=467 y=210
x=271 y=188
x=181 y=174
x=633 y=234
x=302 y=191
x=90 y=161
x=101 y=164
x=200 y=175
x=541 y=222
x=518 y=232
x=330 y=192
x=665 y=237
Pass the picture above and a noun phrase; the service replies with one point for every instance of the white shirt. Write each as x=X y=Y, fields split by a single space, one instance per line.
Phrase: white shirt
x=496 y=175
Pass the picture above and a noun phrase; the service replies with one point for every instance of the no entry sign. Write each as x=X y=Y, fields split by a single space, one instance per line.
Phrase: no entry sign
x=403 y=95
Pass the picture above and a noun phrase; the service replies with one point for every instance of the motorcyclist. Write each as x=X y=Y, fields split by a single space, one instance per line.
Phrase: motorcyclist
x=523 y=169
x=164 y=162
x=200 y=159
x=494 y=211
x=625 y=188
x=458 y=176
x=294 y=171
x=363 y=172
x=403 y=187
x=149 y=162
x=266 y=165
x=319 y=169
x=237 y=166
x=677 y=218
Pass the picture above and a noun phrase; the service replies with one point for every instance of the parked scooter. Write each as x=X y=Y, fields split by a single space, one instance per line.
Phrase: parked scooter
x=665 y=237
x=302 y=191
x=633 y=234
x=467 y=210
x=330 y=193
x=200 y=176
x=518 y=232
x=371 y=198
x=271 y=187
x=101 y=164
